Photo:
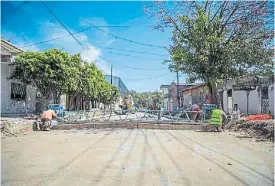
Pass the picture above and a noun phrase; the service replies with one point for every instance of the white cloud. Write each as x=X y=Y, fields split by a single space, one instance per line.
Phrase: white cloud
x=50 y=30
x=91 y=54
x=102 y=37
x=69 y=44
x=108 y=43
x=18 y=41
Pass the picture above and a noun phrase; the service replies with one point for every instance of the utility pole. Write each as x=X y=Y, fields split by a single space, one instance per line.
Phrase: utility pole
x=111 y=74
x=112 y=86
x=178 y=93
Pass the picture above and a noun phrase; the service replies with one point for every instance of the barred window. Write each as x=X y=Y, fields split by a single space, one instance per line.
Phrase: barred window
x=18 y=91
x=264 y=92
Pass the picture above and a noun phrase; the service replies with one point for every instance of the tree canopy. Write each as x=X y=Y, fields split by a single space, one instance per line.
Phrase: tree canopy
x=218 y=40
x=147 y=99
x=54 y=72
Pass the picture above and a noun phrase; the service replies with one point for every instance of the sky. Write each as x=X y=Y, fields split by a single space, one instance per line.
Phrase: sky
x=30 y=23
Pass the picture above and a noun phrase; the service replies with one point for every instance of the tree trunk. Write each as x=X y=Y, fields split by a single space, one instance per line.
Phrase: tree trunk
x=213 y=91
x=72 y=97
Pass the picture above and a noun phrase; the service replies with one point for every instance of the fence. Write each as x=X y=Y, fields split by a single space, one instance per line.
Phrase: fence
x=148 y=116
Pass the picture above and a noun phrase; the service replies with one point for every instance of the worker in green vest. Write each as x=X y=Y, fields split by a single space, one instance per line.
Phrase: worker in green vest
x=217 y=118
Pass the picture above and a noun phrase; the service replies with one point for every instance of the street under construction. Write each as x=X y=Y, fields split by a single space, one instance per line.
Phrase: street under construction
x=136 y=157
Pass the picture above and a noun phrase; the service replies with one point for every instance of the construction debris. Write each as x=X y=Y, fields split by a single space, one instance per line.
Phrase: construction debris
x=16 y=127
x=260 y=129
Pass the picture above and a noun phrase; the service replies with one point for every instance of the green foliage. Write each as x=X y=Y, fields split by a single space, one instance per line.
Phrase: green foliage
x=147 y=99
x=54 y=72
x=219 y=40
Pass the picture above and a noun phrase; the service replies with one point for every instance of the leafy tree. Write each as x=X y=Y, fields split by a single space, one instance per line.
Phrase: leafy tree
x=115 y=94
x=47 y=71
x=54 y=72
x=218 y=40
x=147 y=99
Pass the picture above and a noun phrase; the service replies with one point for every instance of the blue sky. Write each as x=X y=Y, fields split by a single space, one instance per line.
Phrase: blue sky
x=33 y=23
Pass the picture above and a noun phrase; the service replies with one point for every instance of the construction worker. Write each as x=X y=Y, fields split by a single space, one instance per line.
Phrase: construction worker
x=47 y=116
x=217 y=118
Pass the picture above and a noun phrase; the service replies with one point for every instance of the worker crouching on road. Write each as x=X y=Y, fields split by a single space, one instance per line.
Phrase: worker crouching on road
x=46 y=118
x=217 y=118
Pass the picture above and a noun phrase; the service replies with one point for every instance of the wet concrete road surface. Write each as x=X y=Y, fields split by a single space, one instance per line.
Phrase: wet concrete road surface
x=135 y=157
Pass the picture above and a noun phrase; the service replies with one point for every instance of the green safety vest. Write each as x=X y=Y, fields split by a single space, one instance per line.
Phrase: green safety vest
x=216 y=117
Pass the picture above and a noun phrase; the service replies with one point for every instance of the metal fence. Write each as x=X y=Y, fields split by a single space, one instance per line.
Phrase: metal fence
x=141 y=116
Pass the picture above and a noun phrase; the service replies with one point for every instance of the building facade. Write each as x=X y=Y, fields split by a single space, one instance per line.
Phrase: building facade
x=165 y=92
x=16 y=98
x=170 y=94
x=196 y=94
x=79 y=103
x=118 y=83
x=260 y=99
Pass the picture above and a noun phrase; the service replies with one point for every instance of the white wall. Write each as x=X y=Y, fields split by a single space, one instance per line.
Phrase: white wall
x=9 y=106
x=187 y=99
x=225 y=101
x=239 y=97
x=165 y=100
x=165 y=103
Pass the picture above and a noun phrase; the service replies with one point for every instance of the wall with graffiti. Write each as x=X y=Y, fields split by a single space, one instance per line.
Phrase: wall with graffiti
x=15 y=97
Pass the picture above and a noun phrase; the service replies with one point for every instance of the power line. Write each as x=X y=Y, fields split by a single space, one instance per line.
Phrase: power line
x=129 y=66
x=146 y=78
x=128 y=40
x=128 y=26
x=140 y=52
x=127 y=55
x=61 y=37
x=144 y=68
x=71 y=34
x=65 y=27
x=88 y=28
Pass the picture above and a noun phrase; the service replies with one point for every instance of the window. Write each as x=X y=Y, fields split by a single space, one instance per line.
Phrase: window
x=229 y=93
x=18 y=91
x=264 y=92
x=6 y=58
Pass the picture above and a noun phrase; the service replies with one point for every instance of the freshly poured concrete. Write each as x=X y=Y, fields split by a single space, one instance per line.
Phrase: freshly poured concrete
x=135 y=157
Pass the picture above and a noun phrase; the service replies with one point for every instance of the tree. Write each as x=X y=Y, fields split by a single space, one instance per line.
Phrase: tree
x=115 y=94
x=47 y=71
x=147 y=99
x=54 y=72
x=218 y=40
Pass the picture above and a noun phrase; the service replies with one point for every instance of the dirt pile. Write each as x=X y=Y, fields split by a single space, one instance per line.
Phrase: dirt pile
x=14 y=128
x=260 y=129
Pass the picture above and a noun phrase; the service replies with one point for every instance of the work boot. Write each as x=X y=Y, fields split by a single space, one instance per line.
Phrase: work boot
x=220 y=129
x=47 y=129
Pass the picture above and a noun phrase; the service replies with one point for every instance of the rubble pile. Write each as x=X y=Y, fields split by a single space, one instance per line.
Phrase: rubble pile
x=14 y=128
x=260 y=129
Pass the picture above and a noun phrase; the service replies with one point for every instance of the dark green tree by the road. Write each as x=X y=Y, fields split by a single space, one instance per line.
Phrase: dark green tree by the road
x=147 y=99
x=54 y=72
x=218 y=40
